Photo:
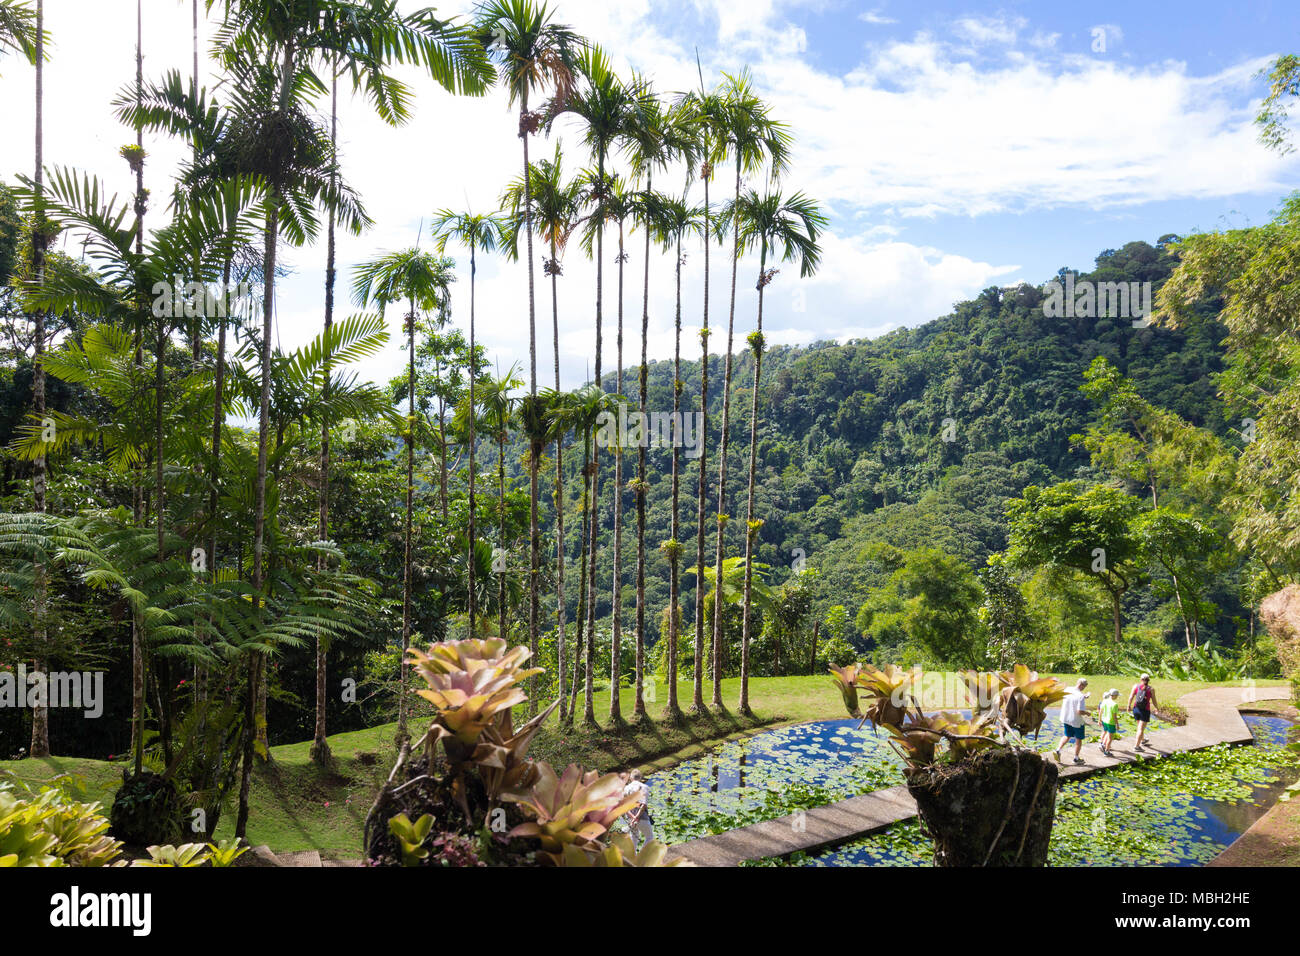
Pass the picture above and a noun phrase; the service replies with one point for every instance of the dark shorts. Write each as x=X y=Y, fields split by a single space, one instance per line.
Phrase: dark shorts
x=1142 y=713
x=1074 y=733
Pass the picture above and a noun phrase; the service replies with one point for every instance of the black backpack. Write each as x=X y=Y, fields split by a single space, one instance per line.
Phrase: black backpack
x=1143 y=696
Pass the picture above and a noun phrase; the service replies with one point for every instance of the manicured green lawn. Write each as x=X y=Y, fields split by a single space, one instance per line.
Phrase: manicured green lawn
x=299 y=806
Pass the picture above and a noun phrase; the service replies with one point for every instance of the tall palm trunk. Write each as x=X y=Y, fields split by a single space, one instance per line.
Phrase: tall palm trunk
x=406 y=530
x=701 y=491
x=251 y=731
x=722 y=455
x=559 y=497
x=139 y=664
x=256 y=662
x=534 y=536
x=639 y=707
x=40 y=742
x=589 y=687
x=473 y=441
x=752 y=526
x=320 y=748
x=534 y=564
x=674 y=545
x=214 y=472
x=584 y=593
x=442 y=441
x=160 y=517
x=615 y=668
x=501 y=527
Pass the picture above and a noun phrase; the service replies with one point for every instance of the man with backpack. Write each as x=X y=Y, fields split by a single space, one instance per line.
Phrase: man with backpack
x=1142 y=700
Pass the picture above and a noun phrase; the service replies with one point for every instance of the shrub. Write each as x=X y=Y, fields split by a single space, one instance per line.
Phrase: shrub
x=49 y=828
x=147 y=810
x=467 y=794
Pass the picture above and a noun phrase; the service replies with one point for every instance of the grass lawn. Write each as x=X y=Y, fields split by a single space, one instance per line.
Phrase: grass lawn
x=298 y=806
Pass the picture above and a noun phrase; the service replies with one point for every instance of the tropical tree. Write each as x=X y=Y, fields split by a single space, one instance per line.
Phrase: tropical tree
x=751 y=137
x=556 y=204
x=533 y=52
x=787 y=228
x=673 y=220
x=499 y=405
x=272 y=52
x=478 y=232
x=1086 y=529
x=422 y=280
x=21 y=29
x=128 y=269
x=605 y=106
x=587 y=410
x=617 y=209
x=650 y=141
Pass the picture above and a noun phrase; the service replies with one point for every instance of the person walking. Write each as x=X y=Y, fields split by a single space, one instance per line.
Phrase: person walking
x=1142 y=700
x=1108 y=714
x=639 y=822
x=1072 y=717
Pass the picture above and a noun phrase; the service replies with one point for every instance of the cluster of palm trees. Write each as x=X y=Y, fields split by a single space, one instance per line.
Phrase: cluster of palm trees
x=263 y=171
x=689 y=133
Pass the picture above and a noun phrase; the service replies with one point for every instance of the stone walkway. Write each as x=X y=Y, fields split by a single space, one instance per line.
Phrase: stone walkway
x=1212 y=719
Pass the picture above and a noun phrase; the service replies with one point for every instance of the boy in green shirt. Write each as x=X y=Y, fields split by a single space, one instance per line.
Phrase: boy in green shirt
x=1108 y=713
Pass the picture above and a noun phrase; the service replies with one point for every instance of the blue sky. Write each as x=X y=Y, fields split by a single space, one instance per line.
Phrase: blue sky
x=956 y=145
x=1205 y=37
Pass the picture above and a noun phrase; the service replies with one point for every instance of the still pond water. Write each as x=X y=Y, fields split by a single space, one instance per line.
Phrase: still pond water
x=1118 y=818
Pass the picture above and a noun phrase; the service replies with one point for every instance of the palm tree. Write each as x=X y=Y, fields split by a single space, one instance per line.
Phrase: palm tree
x=555 y=207
x=604 y=104
x=701 y=121
x=499 y=404
x=674 y=220
x=533 y=52
x=617 y=209
x=649 y=142
x=320 y=748
x=751 y=137
x=584 y=411
x=125 y=268
x=23 y=30
x=422 y=280
x=534 y=419
x=217 y=177
x=733 y=585
x=485 y=233
x=273 y=48
x=787 y=227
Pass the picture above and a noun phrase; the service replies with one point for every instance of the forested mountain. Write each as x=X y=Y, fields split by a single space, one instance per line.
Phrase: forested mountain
x=919 y=437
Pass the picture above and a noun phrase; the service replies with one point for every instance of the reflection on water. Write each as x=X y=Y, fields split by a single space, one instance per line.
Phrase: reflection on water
x=759 y=777
x=1116 y=820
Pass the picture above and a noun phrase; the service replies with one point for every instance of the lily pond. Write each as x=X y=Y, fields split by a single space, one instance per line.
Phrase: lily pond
x=1177 y=811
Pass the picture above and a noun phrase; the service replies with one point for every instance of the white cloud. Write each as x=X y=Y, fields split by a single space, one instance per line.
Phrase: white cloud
x=980 y=30
x=920 y=128
x=876 y=17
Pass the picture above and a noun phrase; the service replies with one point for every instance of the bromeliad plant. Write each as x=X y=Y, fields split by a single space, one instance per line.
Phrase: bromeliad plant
x=48 y=828
x=971 y=784
x=476 y=797
x=1001 y=702
x=887 y=691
